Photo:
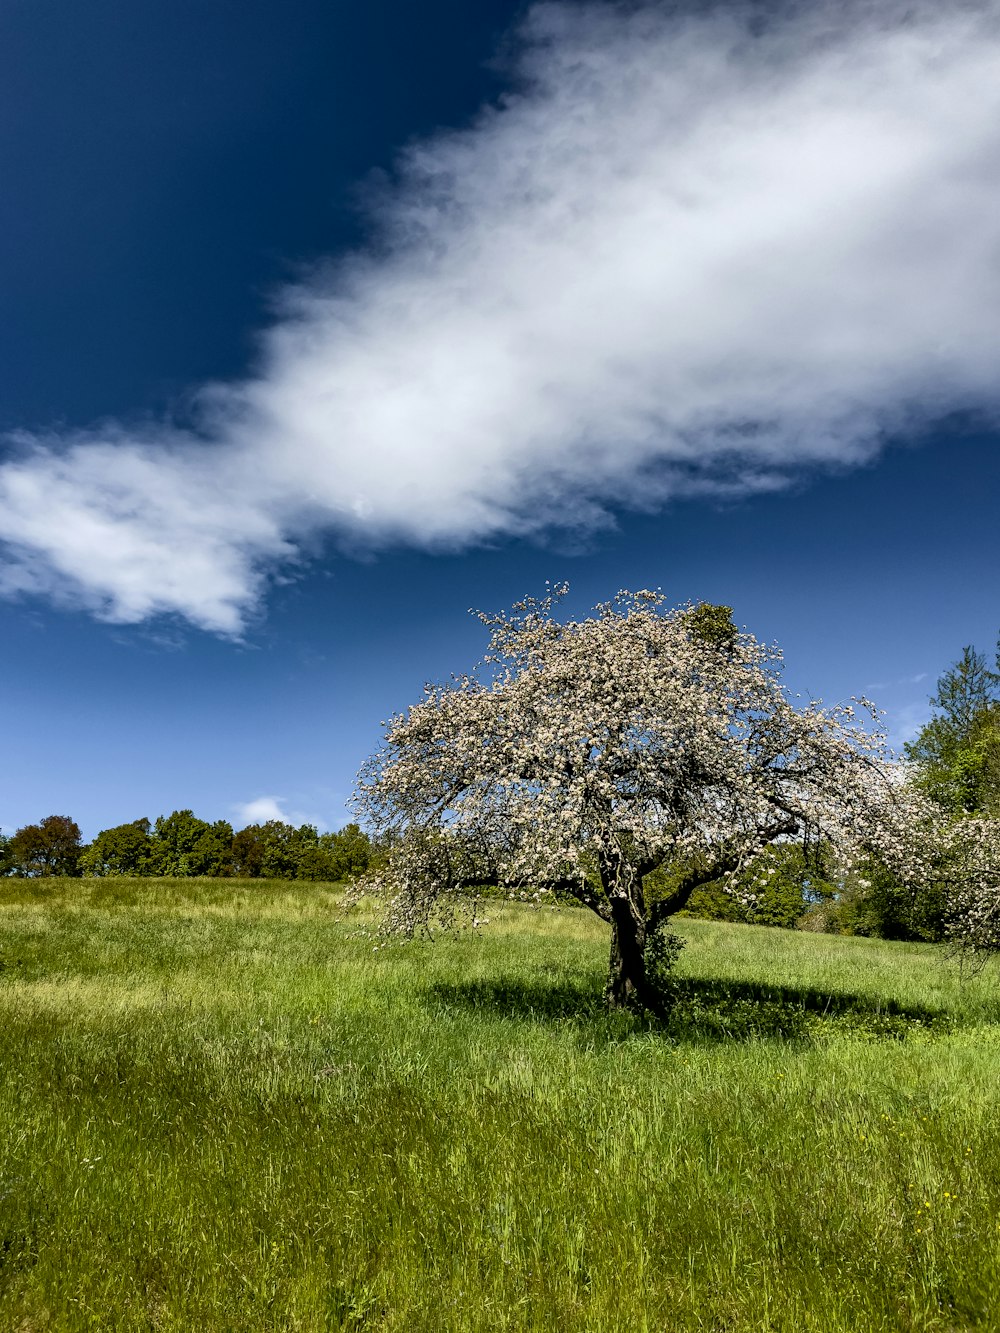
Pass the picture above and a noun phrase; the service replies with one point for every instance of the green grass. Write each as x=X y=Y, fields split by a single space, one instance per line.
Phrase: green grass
x=220 y=1108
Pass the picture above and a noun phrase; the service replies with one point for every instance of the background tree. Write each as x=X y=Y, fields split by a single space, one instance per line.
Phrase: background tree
x=282 y=846
x=350 y=852
x=585 y=755
x=784 y=882
x=955 y=758
x=6 y=859
x=51 y=847
x=877 y=900
x=185 y=845
x=277 y=850
x=315 y=861
x=126 y=849
x=248 y=851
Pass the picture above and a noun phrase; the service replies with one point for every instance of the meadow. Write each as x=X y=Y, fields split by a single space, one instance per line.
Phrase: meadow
x=222 y=1108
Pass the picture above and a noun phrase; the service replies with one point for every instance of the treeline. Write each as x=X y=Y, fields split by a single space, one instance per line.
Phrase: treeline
x=181 y=844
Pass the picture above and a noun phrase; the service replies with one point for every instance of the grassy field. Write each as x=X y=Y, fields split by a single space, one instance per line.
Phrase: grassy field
x=220 y=1108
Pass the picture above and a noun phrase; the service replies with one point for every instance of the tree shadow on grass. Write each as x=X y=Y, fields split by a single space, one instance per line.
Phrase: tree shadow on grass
x=702 y=1010
x=540 y=1000
x=744 y=1010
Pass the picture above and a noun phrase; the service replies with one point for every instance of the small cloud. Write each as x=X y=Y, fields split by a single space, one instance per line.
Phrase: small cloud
x=262 y=809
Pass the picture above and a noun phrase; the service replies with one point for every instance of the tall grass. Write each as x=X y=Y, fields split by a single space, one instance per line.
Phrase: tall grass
x=221 y=1108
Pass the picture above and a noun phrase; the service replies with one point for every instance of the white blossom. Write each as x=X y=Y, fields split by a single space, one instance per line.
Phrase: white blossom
x=583 y=755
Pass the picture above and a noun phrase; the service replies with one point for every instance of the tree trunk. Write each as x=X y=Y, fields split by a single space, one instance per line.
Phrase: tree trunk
x=627 y=988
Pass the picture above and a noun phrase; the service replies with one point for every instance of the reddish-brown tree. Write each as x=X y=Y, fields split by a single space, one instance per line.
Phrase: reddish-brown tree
x=51 y=847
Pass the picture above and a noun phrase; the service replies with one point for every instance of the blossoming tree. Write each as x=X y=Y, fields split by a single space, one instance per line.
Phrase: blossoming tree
x=956 y=859
x=585 y=754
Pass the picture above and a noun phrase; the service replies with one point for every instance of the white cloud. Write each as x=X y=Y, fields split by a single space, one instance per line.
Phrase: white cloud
x=262 y=809
x=689 y=254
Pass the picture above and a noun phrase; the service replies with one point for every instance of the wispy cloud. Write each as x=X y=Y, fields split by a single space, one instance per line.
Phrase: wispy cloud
x=905 y=723
x=688 y=254
x=878 y=685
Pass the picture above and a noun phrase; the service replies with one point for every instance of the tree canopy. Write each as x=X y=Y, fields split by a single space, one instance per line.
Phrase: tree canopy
x=955 y=758
x=50 y=847
x=584 y=755
x=126 y=849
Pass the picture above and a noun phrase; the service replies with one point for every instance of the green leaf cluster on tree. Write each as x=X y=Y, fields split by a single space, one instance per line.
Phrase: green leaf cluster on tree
x=787 y=881
x=796 y=888
x=185 y=845
x=872 y=901
x=123 y=850
x=955 y=758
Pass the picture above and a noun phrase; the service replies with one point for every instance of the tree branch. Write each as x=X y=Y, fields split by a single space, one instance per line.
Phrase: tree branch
x=704 y=874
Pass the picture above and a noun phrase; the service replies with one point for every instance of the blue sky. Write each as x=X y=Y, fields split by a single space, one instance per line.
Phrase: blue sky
x=323 y=324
